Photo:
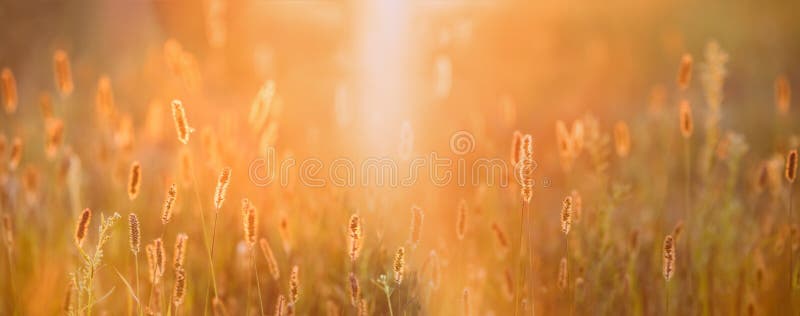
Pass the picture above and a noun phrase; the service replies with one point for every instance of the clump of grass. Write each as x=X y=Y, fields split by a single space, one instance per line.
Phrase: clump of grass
x=91 y=263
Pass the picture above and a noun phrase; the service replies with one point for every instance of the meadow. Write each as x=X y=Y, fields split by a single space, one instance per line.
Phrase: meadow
x=398 y=158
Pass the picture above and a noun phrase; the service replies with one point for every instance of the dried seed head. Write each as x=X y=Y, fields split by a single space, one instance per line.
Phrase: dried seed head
x=294 y=285
x=685 y=72
x=179 y=291
x=516 y=143
x=566 y=215
x=502 y=239
x=508 y=285
x=134 y=233
x=622 y=139
x=686 y=119
x=9 y=88
x=104 y=98
x=355 y=237
x=179 y=255
x=461 y=220
x=363 y=309
x=134 y=180
x=563 y=274
x=417 y=217
x=280 y=305
x=669 y=257
x=160 y=256
x=270 y=256
x=152 y=265
x=16 y=154
x=46 y=105
x=249 y=222
x=63 y=74
x=577 y=206
x=181 y=124
x=791 y=166
x=525 y=168
x=55 y=136
x=783 y=94
x=399 y=265
x=355 y=290
x=222 y=187
x=169 y=204
x=83 y=226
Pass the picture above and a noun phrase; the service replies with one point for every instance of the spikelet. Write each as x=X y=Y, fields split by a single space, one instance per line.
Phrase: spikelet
x=294 y=285
x=563 y=140
x=791 y=166
x=577 y=206
x=222 y=187
x=63 y=73
x=104 y=99
x=169 y=204
x=179 y=290
x=461 y=220
x=181 y=124
x=83 y=226
x=67 y=307
x=134 y=180
x=502 y=239
x=280 y=305
x=249 y=222
x=134 y=233
x=159 y=256
x=465 y=301
x=577 y=138
x=355 y=290
x=508 y=284
x=676 y=231
x=16 y=154
x=783 y=94
x=272 y=264
x=417 y=216
x=179 y=255
x=260 y=108
x=525 y=168
x=10 y=98
x=669 y=257
x=685 y=72
x=8 y=231
x=363 y=309
x=516 y=143
x=54 y=136
x=355 y=237
x=622 y=139
x=283 y=231
x=566 y=215
x=686 y=119
x=563 y=274
x=150 y=251
x=399 y=265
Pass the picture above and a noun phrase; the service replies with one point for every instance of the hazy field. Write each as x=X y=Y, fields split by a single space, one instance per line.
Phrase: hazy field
x=398 y=158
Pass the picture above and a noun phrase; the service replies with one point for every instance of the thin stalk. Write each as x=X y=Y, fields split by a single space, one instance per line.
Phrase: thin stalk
x=791 y=250
x=258 y=279
x=389 y=302
x=11 y=278
x=667 y=296
x=139 y=298
x=518 y=259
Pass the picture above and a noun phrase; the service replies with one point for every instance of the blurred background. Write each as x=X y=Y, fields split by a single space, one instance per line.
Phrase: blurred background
x=349 y=76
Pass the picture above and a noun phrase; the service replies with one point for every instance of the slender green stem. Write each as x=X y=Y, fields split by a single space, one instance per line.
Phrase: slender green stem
x=139 y=298
x=388 y=301
x=517 y=290
x=258 y=279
